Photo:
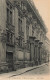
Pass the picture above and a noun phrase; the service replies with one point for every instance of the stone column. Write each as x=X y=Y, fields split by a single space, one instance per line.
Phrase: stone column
x=40 y=52
x=32 y=49
x=36 y=51
x=24 y=25
x=15 y=22
x=30 y=30
x=13 y=16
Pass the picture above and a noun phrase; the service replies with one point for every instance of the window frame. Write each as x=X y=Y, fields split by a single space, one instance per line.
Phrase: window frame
x=10 y=11
x=11 y=38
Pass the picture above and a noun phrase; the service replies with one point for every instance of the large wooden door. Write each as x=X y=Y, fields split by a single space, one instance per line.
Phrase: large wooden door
x=9 y=59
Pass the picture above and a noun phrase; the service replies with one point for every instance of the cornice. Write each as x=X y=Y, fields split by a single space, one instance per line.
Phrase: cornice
x=37 y=15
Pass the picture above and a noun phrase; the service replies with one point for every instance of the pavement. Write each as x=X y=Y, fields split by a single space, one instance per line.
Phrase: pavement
x=21 y=71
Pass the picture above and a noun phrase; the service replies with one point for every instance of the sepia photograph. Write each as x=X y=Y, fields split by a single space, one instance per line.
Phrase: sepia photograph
x=24 y=40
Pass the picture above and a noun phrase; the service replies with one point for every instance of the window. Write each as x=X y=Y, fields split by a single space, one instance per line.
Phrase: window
x=9 y=13
x=10 y=37
x=23 y=6
x=20 y=42
x=27 y=32
x=33 y=33
x=28 y=45
x=11 y=17
x=10 y=7
x=20 y=25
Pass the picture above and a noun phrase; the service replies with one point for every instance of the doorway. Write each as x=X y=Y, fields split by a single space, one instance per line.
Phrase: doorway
x=9 y=59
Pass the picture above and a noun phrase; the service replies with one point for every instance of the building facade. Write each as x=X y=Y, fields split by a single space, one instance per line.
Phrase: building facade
x=22 y=35
x=47 y=49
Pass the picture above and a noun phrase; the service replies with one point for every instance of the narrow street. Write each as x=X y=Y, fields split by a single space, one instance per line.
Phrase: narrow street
x=43 y=70
x=39 y=71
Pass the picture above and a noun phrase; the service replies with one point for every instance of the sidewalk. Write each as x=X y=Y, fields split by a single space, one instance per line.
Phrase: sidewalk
x=21 y=71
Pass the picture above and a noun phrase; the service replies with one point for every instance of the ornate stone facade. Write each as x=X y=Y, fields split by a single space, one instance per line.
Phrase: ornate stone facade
x=22 y=35
x=47 y=49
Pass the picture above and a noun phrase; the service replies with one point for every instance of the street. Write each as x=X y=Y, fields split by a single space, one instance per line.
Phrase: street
x=43 y=70
x=39 y=71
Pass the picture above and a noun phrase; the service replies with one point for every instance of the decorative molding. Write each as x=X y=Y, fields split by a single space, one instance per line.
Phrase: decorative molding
x=32 y=5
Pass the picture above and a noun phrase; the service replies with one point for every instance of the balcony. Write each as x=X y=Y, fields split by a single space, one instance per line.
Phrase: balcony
x=10 y=26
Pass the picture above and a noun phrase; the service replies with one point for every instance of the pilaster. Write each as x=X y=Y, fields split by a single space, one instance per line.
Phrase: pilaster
x=24 y=24
x=40 y=52
x=13 y=16
x=30 y=30
x=16 y=36
x=16 y=22
x=32 y=43
x=36 y=52
x=3 y=34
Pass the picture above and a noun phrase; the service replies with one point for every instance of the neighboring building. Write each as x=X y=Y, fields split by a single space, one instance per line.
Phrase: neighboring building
x=22 y=35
